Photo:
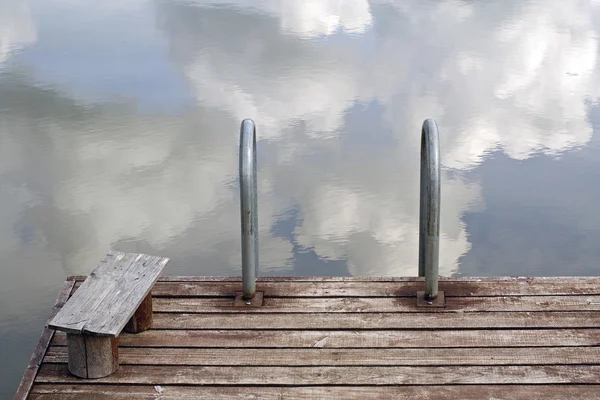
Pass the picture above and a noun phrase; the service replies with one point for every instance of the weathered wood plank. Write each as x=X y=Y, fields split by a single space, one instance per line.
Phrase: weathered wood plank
x=259 y=279
x=586 y=319
x=177 y=375
x=40 y=350
x=379 y=304
x=85 y=301
x=379 y=289
x=348 y=357
x=343 y=338
x=357 y=339
x=470 y=392
x=111 y=296
x=513 y=285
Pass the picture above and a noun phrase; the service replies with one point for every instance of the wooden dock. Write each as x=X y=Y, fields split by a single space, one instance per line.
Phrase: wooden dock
x=346 y=338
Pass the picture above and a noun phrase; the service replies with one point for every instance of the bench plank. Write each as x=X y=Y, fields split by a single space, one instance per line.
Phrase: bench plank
x=110 y=295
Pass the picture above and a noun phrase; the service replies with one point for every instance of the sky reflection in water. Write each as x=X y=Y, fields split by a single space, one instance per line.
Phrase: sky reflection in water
x=119 y=128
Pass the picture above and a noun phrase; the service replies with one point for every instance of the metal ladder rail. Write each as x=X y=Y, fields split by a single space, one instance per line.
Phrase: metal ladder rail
x=429 y=213
x=248 y=208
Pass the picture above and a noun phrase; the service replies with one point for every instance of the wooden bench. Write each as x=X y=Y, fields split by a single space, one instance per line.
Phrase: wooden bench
x=116 y=296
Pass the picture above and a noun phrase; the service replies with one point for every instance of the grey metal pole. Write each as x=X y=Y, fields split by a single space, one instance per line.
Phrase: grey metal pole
x=429 y=218
x=248 y=208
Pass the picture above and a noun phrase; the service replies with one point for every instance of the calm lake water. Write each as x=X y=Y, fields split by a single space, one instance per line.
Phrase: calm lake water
x=119 y=127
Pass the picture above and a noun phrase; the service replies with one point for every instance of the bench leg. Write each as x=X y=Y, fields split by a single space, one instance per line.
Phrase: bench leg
x=92 y=356
x=142 y=318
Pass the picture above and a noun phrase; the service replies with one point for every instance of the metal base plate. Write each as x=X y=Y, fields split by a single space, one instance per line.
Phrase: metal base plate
x=256 y=301
x=439 y=302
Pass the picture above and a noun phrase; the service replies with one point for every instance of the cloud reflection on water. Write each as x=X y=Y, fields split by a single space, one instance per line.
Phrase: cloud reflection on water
x=338 y=94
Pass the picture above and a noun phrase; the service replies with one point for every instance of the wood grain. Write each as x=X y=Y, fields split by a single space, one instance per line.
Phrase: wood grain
x=353 y=338
x=380 y=304
x=142 y=318
x=102 y=356
x=92 y=357
x=38 y=354
x=542 y=319
x=76 y=357
x=110 y=295
x=536 y=279
x=358 y=339
x=346 y=376
x=468 y=392
x=348 y=357
x=589 y=286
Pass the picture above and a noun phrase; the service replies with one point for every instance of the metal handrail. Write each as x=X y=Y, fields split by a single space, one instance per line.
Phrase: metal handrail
x=248 y=208
x=429 y=215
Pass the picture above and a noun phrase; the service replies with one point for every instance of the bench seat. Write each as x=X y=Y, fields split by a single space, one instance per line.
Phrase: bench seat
x=115 y=296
